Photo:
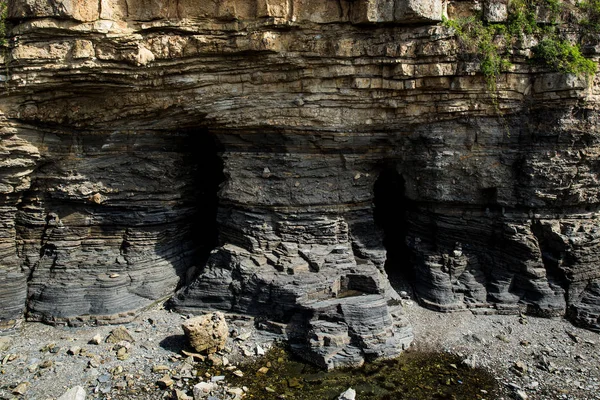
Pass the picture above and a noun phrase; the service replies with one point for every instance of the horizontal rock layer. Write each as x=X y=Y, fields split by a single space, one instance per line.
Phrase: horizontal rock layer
x=109 y=170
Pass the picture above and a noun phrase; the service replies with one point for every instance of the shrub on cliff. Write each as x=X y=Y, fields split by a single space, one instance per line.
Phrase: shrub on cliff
x=562 y=56
x=3 y=14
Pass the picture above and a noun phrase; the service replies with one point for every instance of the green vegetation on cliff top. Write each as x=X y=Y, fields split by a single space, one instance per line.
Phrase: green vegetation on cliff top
x=3 y=14
x=536 y=20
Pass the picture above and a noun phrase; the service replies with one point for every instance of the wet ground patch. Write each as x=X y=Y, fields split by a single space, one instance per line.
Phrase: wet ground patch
x=413 y=375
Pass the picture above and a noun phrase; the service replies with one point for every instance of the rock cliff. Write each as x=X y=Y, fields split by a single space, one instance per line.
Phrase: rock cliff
x=312 y=135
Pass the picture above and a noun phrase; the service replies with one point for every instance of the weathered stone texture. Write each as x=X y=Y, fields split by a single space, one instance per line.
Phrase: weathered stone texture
x=108 y=188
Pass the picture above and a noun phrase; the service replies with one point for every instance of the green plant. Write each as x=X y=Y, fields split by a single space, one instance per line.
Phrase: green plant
x=3 y=15
x=554 y=52
x=560 y=55
x=591 y=15
x=479 y=38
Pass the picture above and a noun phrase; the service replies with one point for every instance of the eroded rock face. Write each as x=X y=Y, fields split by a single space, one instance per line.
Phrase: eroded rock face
x=109 y=171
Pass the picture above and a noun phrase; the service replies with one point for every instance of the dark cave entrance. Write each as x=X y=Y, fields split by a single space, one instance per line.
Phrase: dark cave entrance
x=204 y=150
x=390 y=214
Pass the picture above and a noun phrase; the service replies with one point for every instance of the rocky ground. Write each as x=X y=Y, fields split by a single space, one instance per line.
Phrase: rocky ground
x=532 y=358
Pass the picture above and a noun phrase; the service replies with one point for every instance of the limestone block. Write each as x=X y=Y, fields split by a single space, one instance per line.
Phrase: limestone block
x=418 y=11
x=272 y=8
x=402 y=11
x=320 y=11
x=373 y=11
x=80 y=10
x=222 y=9
x=207 y=332
x=113 y=9
x=83 y=49
x=146 y=10
x=495 y=10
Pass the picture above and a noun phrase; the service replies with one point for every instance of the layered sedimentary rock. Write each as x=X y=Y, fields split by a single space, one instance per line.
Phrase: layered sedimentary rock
x=121 y=120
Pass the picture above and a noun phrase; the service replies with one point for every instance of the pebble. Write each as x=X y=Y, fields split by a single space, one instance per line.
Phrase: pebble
x=160 y=368
x=122 y=354
x=217 y=378
x=260 y=351
x=195 y=356
x=349 y=394
x=165 y=382
x=521 y=395
x=75 y=393
x=236 y=391
x=118 y=335
x=5 y=343
x=96 y=340
x=202 y=389
x=21 y=388
x=263 y=370
x=74 y=351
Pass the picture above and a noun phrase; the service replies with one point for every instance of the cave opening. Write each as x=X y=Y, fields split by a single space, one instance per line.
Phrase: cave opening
x=390 y=214
x=204 y=152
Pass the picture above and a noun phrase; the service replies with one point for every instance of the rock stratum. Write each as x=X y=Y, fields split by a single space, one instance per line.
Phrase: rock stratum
x=312 y=135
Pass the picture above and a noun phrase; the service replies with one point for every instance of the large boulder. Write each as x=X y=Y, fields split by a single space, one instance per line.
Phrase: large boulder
x=207 y=333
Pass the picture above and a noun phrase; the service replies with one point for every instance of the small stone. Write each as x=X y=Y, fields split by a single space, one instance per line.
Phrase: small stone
x=181 y=395
x=503 y=338
x=75 y=393
x=74 y=351
x=573 y=337
x=533 y=385
x=160 y=368
x=118 y=335
x=270 y=390
x=215 y=360
x=247 y=352
x=294 y=382
x=114 y=276
x=122 y=354
x=96 y=340
x=21 y=388
x=520 y=367
x=196 y=356
x=48 y=347
x=263 y=370
x=46 y=364
x=5 y=343
x=260 y=351
x=521 y=395
x=165 y=382
x=236 y=391
x=203 y=389
x=217 y=378
x=238 y=373
x=349 y=394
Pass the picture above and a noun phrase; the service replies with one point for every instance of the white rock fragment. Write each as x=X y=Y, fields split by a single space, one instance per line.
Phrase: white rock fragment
x=75 y=393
